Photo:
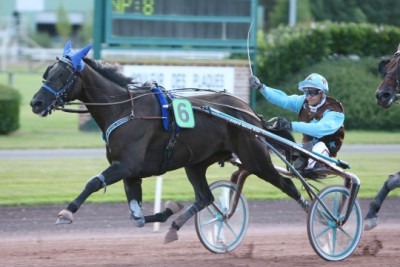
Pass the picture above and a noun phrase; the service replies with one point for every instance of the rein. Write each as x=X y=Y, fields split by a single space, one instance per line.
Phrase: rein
x=96 y=104
x=145 y=94
x=61 y=99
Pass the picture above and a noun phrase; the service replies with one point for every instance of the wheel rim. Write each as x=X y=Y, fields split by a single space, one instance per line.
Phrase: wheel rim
x=217 y=233
x=330 y=240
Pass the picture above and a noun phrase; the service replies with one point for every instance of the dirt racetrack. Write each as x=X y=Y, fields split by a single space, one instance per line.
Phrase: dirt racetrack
x=102 y=235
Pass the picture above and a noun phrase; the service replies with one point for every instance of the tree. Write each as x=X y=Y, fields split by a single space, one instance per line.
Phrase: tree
x=389 y=11
x=335 y=10
x=383 y=12
x=63 y=26
x=280 y=13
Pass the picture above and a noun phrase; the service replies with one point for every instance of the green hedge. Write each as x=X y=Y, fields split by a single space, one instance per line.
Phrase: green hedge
x=287 y=50
x=287 y=55
x=9 y=109
x=353 y=83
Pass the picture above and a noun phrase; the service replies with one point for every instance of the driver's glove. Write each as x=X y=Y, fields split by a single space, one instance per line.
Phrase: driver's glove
x=255 y=83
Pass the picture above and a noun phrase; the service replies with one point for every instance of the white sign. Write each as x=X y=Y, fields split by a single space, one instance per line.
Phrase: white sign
x=29 y=5
x=176 y=77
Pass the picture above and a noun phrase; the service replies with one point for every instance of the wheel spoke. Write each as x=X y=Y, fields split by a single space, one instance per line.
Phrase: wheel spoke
x=334 y=240
x=209 y=210
x=322 y=216
x=323 y=231
x=230 y=228
x=336 y=204
x=345 y=233
x=219 y=225
x=209 y=221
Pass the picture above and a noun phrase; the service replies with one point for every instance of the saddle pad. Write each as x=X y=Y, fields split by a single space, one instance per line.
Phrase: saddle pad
x=163 y=101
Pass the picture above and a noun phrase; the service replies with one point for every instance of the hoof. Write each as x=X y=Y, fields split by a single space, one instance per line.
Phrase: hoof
x=171 y=236
x=65 y=217
x=175 y=207
x=370 y=224
x=138 y=221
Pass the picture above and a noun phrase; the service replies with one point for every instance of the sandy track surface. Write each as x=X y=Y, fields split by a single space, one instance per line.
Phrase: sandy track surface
x=102 y=235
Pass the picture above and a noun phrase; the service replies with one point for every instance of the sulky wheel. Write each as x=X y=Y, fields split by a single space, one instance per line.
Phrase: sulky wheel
x=331 y=241
x=216 y=232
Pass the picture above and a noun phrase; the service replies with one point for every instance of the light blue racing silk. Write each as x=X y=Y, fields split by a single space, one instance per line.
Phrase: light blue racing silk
x=281 y=99
x=328 y=124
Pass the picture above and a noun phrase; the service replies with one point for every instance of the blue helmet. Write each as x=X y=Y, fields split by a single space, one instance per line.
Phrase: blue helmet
x=316 y=81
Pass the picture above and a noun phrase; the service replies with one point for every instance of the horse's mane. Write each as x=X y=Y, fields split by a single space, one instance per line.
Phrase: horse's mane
x=109 y=70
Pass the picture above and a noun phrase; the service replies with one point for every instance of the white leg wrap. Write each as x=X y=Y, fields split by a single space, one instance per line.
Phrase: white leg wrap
x=136 y=213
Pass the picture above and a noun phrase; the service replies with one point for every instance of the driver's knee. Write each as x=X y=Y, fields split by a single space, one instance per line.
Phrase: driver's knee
x=321 y=149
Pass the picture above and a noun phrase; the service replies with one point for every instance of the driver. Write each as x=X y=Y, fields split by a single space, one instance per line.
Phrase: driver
x=320 y=117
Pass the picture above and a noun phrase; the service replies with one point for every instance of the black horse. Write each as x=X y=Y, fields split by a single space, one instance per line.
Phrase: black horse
x=137 y=144
x=386 y=94
x=388 y=91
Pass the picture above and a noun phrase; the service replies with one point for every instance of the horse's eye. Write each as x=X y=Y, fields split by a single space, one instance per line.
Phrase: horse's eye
x=46 y=73
x=382 y=66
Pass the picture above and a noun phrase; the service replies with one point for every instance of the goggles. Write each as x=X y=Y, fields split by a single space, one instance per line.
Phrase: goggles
x=311 y=92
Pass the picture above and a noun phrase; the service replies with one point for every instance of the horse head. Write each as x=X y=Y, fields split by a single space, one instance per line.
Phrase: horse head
x=61 y=81
x=388 y=91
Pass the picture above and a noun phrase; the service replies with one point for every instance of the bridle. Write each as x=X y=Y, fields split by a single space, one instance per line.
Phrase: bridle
x=61 y=95
x=397 y=78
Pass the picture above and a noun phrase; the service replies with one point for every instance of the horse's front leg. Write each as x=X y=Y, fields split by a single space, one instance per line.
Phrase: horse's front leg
x=114 y=173
x=371 y=219
x=204 y=198
x=133 y=191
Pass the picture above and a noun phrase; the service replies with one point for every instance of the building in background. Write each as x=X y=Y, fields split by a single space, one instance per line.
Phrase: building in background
x=40 y=16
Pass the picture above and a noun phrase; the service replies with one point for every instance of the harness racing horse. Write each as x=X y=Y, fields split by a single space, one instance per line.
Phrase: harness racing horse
x=386 y=94
x=132 y=127
x=388 y=91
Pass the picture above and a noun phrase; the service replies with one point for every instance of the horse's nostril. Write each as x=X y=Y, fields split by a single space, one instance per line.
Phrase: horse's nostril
x=36 y=104
x=386 y=95
x=383 y=95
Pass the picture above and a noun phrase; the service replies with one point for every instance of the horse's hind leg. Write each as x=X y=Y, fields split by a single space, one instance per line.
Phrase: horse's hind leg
x=257 y=161
x=287 y=186
x=171 y=208
x=235 y=176
x=133 y=191
x=203 y=198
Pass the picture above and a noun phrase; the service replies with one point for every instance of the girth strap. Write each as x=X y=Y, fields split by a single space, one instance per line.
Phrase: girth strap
x=168 y=151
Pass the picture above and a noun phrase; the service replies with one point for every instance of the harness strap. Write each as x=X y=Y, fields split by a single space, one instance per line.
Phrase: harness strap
x=173 y=129
x=115 y=125
x=169 y=149
x=51 y=90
